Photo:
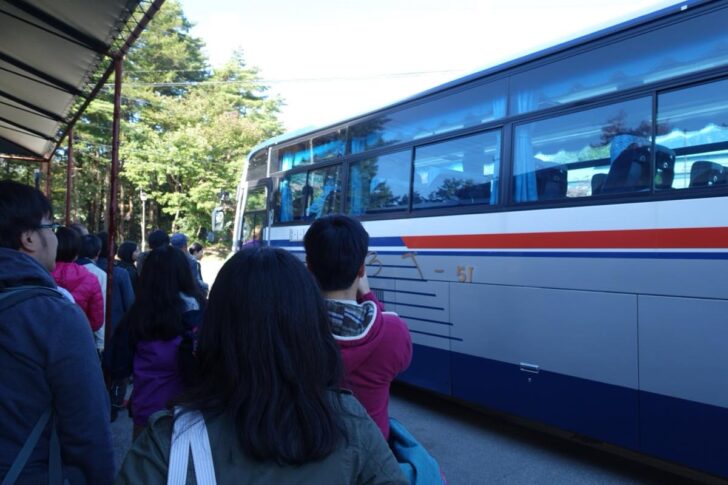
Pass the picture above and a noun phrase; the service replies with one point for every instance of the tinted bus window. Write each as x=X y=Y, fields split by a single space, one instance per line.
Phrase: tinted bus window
x=255 y=200
x=329 y=146
x=463 y=171
x=291 y=198
x=674 y=50
x=258 y=165
x=293 y=156
x=325 y=186
x=602 y=150
x=463 y=109
x=379 y=184
x=694 y=123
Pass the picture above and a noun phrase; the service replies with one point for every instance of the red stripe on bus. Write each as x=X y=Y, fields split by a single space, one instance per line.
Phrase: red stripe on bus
x=701 y=237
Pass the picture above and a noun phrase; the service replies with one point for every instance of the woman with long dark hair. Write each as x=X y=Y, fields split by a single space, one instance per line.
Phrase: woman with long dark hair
x=266 y=392
x=162 y=320
x=127 y=255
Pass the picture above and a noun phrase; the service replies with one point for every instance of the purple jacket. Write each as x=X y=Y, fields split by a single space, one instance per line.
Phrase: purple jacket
x=157 y=377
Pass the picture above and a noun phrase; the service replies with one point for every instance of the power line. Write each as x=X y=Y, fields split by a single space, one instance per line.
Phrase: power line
x=291 y=80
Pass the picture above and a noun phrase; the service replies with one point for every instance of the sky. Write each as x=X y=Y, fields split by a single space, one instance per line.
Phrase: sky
x=334 y=59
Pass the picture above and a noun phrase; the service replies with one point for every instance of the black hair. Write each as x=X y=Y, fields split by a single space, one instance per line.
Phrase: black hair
x=157 y=239
x=126 y=251
x=81 y=229
x=90 y=246
x=195 y=248
x=156 y=313
x=69 y=244
x=22 y=208
x=268 y=361
x=336 y=247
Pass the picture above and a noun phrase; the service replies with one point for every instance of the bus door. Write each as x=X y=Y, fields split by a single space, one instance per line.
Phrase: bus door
x=256 y=220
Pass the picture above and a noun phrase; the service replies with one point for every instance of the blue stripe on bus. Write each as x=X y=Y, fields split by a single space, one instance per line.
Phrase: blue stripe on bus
x=686 y=432
x=439 y=322
x=413 y=305
x=403 y=291
x=436 y=335
x=393 y=278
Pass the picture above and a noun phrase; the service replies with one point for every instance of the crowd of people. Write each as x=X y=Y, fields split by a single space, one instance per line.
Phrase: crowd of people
x=280 y=372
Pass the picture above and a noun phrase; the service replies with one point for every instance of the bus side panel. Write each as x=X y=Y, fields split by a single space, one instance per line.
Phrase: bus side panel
x=684 y=381
x=567 y=358
x=425 y=307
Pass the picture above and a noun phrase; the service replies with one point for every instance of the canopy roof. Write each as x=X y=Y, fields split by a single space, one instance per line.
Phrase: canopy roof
x=54 y=58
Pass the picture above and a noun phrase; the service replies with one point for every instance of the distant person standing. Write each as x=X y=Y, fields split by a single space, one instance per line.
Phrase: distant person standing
x=122 y=291
x=197 y=251
x=87 y=257
x=49 y=371
x=179 y=240
x=79 y=281
x=155 y=239
x=128 y=253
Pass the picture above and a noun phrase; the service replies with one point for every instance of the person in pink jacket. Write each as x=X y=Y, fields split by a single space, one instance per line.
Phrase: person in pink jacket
x=375 y=345
x=79 y=281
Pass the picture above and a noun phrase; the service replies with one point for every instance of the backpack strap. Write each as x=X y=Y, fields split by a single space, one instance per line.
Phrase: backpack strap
x=189 y=432
x=27 y=449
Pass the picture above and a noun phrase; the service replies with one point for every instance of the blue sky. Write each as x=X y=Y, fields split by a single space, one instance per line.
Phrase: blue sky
x=331 y=60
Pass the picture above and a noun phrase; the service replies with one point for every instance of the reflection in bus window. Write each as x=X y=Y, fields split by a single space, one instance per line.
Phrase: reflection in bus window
x=255 y=200
x=325 y=186
x=290 y=198
x=581 y=154
x=694 y=123
x=675 y=50
x=379 y=184
x=293 y=156
x=332 y=145
x=470 y=107
x=463 y=171
x=258 y=165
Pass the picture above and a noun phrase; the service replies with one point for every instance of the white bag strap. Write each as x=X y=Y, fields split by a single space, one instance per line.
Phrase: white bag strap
x=190 y=432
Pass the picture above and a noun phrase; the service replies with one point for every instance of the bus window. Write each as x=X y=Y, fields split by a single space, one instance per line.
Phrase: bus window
x=582 y=154
x=258 y=165
x=290 y=198
x=255 y=200
x=469 y=107
x=674 y=50
x=379 y=184
x=694 y=123
x=293 y=156
x=463 y=171
x=325 y=186
x=332 y=145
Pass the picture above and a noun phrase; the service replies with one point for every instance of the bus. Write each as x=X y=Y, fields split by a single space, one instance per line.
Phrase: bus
x=554 y=230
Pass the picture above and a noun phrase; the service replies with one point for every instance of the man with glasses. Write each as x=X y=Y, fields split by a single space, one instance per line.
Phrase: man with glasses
x=53 y=396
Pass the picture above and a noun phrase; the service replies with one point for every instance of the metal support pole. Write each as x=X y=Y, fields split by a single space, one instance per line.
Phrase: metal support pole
x=48 y=178
x=113 y=189
x=69 y=176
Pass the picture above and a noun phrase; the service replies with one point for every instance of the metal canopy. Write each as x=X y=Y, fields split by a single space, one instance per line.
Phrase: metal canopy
x=52 y=59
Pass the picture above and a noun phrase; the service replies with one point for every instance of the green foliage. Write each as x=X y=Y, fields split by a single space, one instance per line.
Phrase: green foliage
x=185 y=134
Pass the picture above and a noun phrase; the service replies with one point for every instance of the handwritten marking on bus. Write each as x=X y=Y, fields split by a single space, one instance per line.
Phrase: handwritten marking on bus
x=413 y=256
x=465 y=274
x=374 y=259
x=439 y=271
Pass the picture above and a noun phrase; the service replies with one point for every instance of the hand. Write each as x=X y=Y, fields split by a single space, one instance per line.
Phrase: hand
x=363 y=286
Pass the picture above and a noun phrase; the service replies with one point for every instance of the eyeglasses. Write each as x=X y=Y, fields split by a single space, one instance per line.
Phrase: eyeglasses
x=53 y=226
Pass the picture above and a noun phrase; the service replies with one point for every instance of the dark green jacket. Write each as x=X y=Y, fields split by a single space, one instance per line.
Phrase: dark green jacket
x=365 y=460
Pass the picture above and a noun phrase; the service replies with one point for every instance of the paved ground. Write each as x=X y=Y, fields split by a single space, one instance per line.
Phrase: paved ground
x=473 y=448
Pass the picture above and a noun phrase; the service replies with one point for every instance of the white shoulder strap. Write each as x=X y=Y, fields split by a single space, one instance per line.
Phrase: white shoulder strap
x=190 y=432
